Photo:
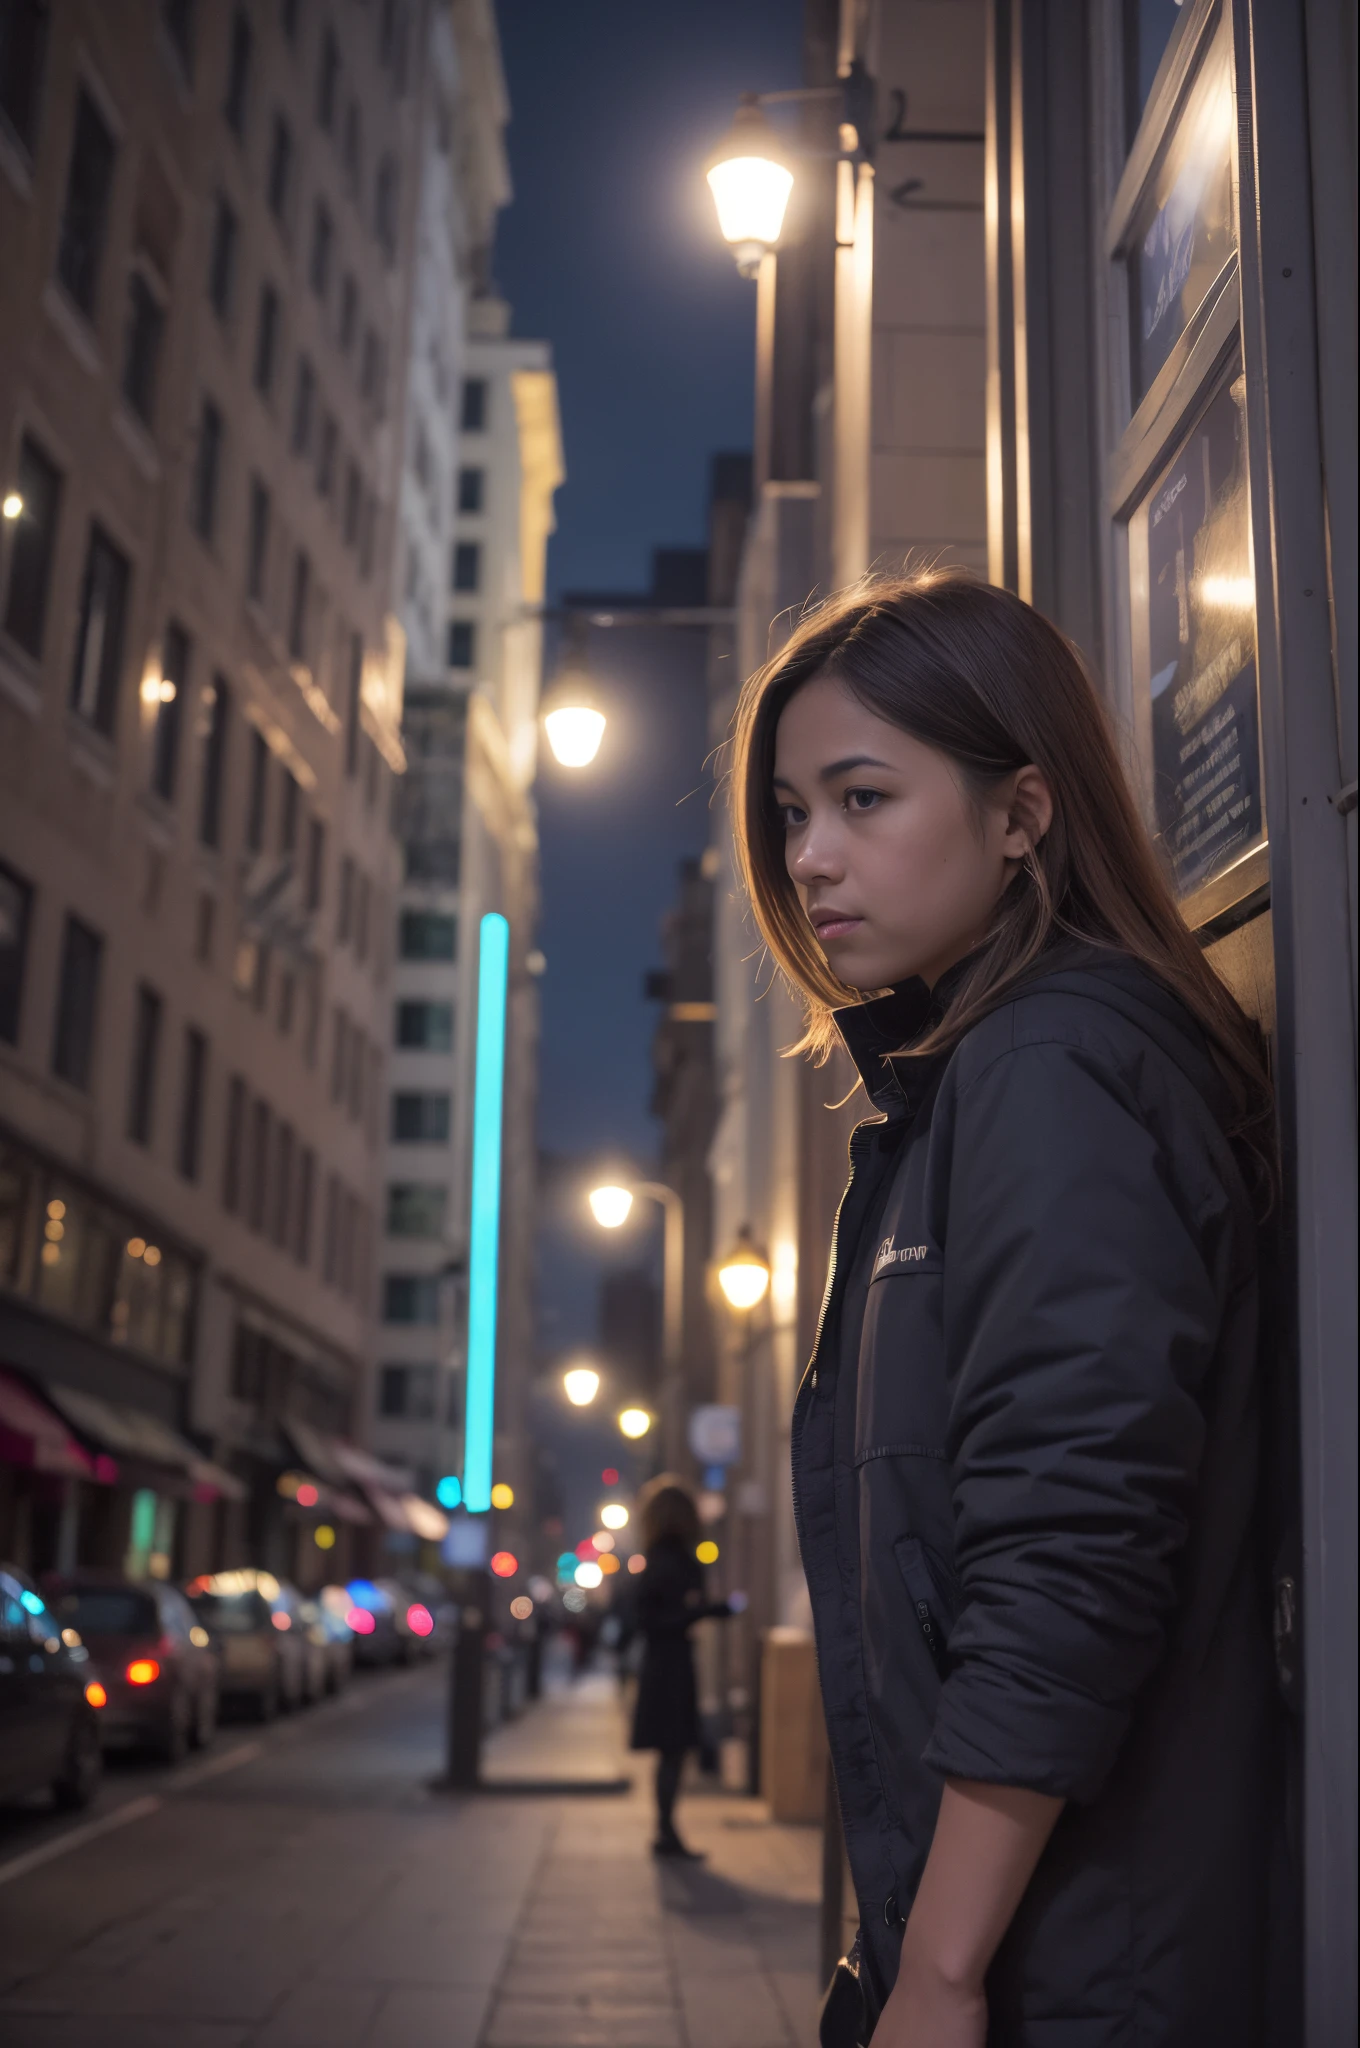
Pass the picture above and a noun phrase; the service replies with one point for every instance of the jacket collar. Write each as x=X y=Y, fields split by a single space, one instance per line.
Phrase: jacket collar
x=873 y=1032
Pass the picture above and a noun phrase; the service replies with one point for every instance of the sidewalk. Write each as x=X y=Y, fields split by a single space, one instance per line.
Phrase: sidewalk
x=614 y=1950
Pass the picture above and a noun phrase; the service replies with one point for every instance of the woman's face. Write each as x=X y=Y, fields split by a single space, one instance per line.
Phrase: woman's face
x=897 y=872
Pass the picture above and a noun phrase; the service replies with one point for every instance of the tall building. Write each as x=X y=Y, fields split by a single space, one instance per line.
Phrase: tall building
x=470 y=845
x=207 y=218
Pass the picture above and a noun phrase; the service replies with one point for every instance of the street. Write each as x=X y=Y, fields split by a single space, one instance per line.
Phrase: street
x=303 y=1887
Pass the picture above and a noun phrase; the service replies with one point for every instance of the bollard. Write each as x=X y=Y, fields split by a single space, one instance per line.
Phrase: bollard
x=464 y=1731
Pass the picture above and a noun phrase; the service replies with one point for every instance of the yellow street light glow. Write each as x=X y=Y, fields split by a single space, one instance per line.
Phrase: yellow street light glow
x=635 y=1422
x=611 y=1206
x=750 y=183
x=13 y=505
x=608 y=1565
x=707 y=1551
x=502 y=1496
x=323 y=1536
x=581 y=1384
x=574 y=734
x=744 y=1276
x=614 y=1515
x=589 y=1574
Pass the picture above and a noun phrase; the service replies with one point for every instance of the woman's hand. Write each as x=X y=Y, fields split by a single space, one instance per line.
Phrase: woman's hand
x=925 y=2010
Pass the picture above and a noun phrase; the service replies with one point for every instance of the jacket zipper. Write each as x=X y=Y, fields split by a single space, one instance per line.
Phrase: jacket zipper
x=807 y=1385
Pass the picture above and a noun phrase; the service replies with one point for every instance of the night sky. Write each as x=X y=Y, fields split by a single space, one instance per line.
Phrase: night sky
x=610 y=251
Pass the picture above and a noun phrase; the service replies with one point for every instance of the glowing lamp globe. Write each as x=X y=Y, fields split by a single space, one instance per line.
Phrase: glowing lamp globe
x=610 y=1206
x=750 y=182
x=744 y=1275
x=581 y=1385
x=613 y=1515
x=635 y=1422
x=589 y=1575
x=574 y=734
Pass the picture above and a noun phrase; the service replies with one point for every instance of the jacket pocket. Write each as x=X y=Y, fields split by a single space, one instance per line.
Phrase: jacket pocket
x=933 y=1614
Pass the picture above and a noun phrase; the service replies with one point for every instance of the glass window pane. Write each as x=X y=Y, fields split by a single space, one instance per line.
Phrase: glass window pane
x=1148 y=28
x=415 y=1209
x=1195 y=646
x=1185 y=230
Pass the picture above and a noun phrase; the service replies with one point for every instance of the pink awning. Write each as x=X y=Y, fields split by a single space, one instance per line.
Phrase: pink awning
x=31 y=1434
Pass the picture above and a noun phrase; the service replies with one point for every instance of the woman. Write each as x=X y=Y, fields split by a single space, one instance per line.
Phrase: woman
x=1025 y=1450
x=670 y=1600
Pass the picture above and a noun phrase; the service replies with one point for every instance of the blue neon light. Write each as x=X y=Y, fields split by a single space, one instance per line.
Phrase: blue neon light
x=449 y=1491
x=484 y=1248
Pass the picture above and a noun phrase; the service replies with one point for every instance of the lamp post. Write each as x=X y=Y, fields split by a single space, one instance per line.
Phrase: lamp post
x=611 y=1206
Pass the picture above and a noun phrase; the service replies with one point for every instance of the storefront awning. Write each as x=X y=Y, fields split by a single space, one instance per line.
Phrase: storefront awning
x=31 y=1435
x=408 y=1515
x=132 y=1433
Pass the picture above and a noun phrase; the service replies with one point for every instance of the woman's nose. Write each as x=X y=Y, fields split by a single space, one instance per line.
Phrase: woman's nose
x=816 y=858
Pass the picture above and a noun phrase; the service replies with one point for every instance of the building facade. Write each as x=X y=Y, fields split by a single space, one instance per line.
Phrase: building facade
x=207 y=219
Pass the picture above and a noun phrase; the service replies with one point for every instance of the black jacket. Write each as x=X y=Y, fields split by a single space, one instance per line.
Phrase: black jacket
x=1025 y=1460
x=670 y=1599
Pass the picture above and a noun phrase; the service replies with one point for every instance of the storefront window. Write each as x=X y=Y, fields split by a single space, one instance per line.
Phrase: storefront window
x=1195 y=646
x=1185 y=231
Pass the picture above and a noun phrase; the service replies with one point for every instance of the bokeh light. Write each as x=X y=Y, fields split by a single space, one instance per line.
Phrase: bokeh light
x=614 y=1515
x=581 y=1385
x=502 y=1496
x=449 y=1491
x=589 y=1574
x=635 y=1422
x=323 y=1536
x=603 y=1541
x=609 y=1565
x=505 y=1564
x=419 y=1620
x=637 y=1562
x=585 y=1550
x=609 y=1476
x=707 y=1551
x=521 y=1607
x=574 y=1600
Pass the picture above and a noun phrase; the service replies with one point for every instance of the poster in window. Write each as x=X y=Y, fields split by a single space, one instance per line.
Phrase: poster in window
x=1199 y=631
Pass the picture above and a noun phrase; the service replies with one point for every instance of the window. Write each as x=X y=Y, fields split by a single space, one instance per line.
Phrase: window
x=316 y=862
x=344 y=921
x=257 y=541
x=282 y=1189
x=169 y=709
x=258 y=1186
x=77 y=997
x=462 y=643
x=233 y=1151
x=385 y=207
x=361 y=902
x=323 y=242
x=416 y=1209
x=84 y=218
x=258 y=797
x=354 y=1081
x=23 y=40
x=325 y=461
x=292 y=807
x=146 y=1032
x=353 y=698
x=142 y=347
x=327 y=82
x=16 y=905
x=214 y=709
x=420 y=1118
x=178 y=16
x=354 y=499
x=428 y=935
x=352 y=148
x=207 y=466
x=407 y=1390
x=411 y=1298
x=302 y=1220
x=279 y=179
x=99 y=637
x=193 y=1082
x=235 y=98
x=330 y=1240
x=266 y=340
x=473 y=416
x=467 y=565
x=425 y=1027
x=471 y=490
x=222 y=257
x=349 y=314
x=297 y=608
x=32 y=548
x=304 y=406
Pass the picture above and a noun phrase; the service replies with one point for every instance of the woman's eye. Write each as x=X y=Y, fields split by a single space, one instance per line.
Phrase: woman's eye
x=862 y=799
x=792 y=814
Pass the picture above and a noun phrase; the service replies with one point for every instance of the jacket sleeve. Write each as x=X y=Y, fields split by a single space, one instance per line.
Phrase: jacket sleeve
x=1080 y=1319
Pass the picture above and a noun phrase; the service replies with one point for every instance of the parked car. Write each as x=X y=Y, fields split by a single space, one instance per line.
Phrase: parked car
x=372 y=1615
x=49 y=1702
x=261 y=1650
x=152 y=1655
x=325 y=1623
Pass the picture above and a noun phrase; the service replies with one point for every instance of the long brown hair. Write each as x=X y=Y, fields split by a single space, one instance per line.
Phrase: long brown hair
x=974 y=672
x=666 y=1511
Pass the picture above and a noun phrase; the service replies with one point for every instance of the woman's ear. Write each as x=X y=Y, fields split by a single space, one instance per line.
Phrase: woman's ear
x=1030 y=812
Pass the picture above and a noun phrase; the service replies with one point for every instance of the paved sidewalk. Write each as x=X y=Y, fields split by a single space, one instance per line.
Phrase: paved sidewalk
x=612 y=1949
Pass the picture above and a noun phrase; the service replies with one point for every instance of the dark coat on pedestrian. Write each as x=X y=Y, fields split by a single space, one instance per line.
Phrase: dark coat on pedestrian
x=670 y=1600
x=1025 y=1459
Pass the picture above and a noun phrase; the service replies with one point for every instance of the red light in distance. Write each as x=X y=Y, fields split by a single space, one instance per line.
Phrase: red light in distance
x=586 y=1551
x=609 y=1477
x=143 y=1671
x=419 y=1620
x=307 y=1496
x=280 y=1619
x=505 y=1564
x=361 y=1621
x=95 y=1694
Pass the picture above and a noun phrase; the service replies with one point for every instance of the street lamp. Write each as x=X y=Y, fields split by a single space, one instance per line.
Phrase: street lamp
x=581 y=1384
x=750 y=179
x=744 y=1275
x=611 y=1205
x=635 y=1423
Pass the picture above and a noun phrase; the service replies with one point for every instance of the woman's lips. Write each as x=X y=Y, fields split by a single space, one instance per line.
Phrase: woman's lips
x=835 y=927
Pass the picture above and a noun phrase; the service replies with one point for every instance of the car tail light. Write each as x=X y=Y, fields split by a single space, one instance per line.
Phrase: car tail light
x=419 y=1620
x=95 y=1694
x=143 y=1671
x=361 y=1621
